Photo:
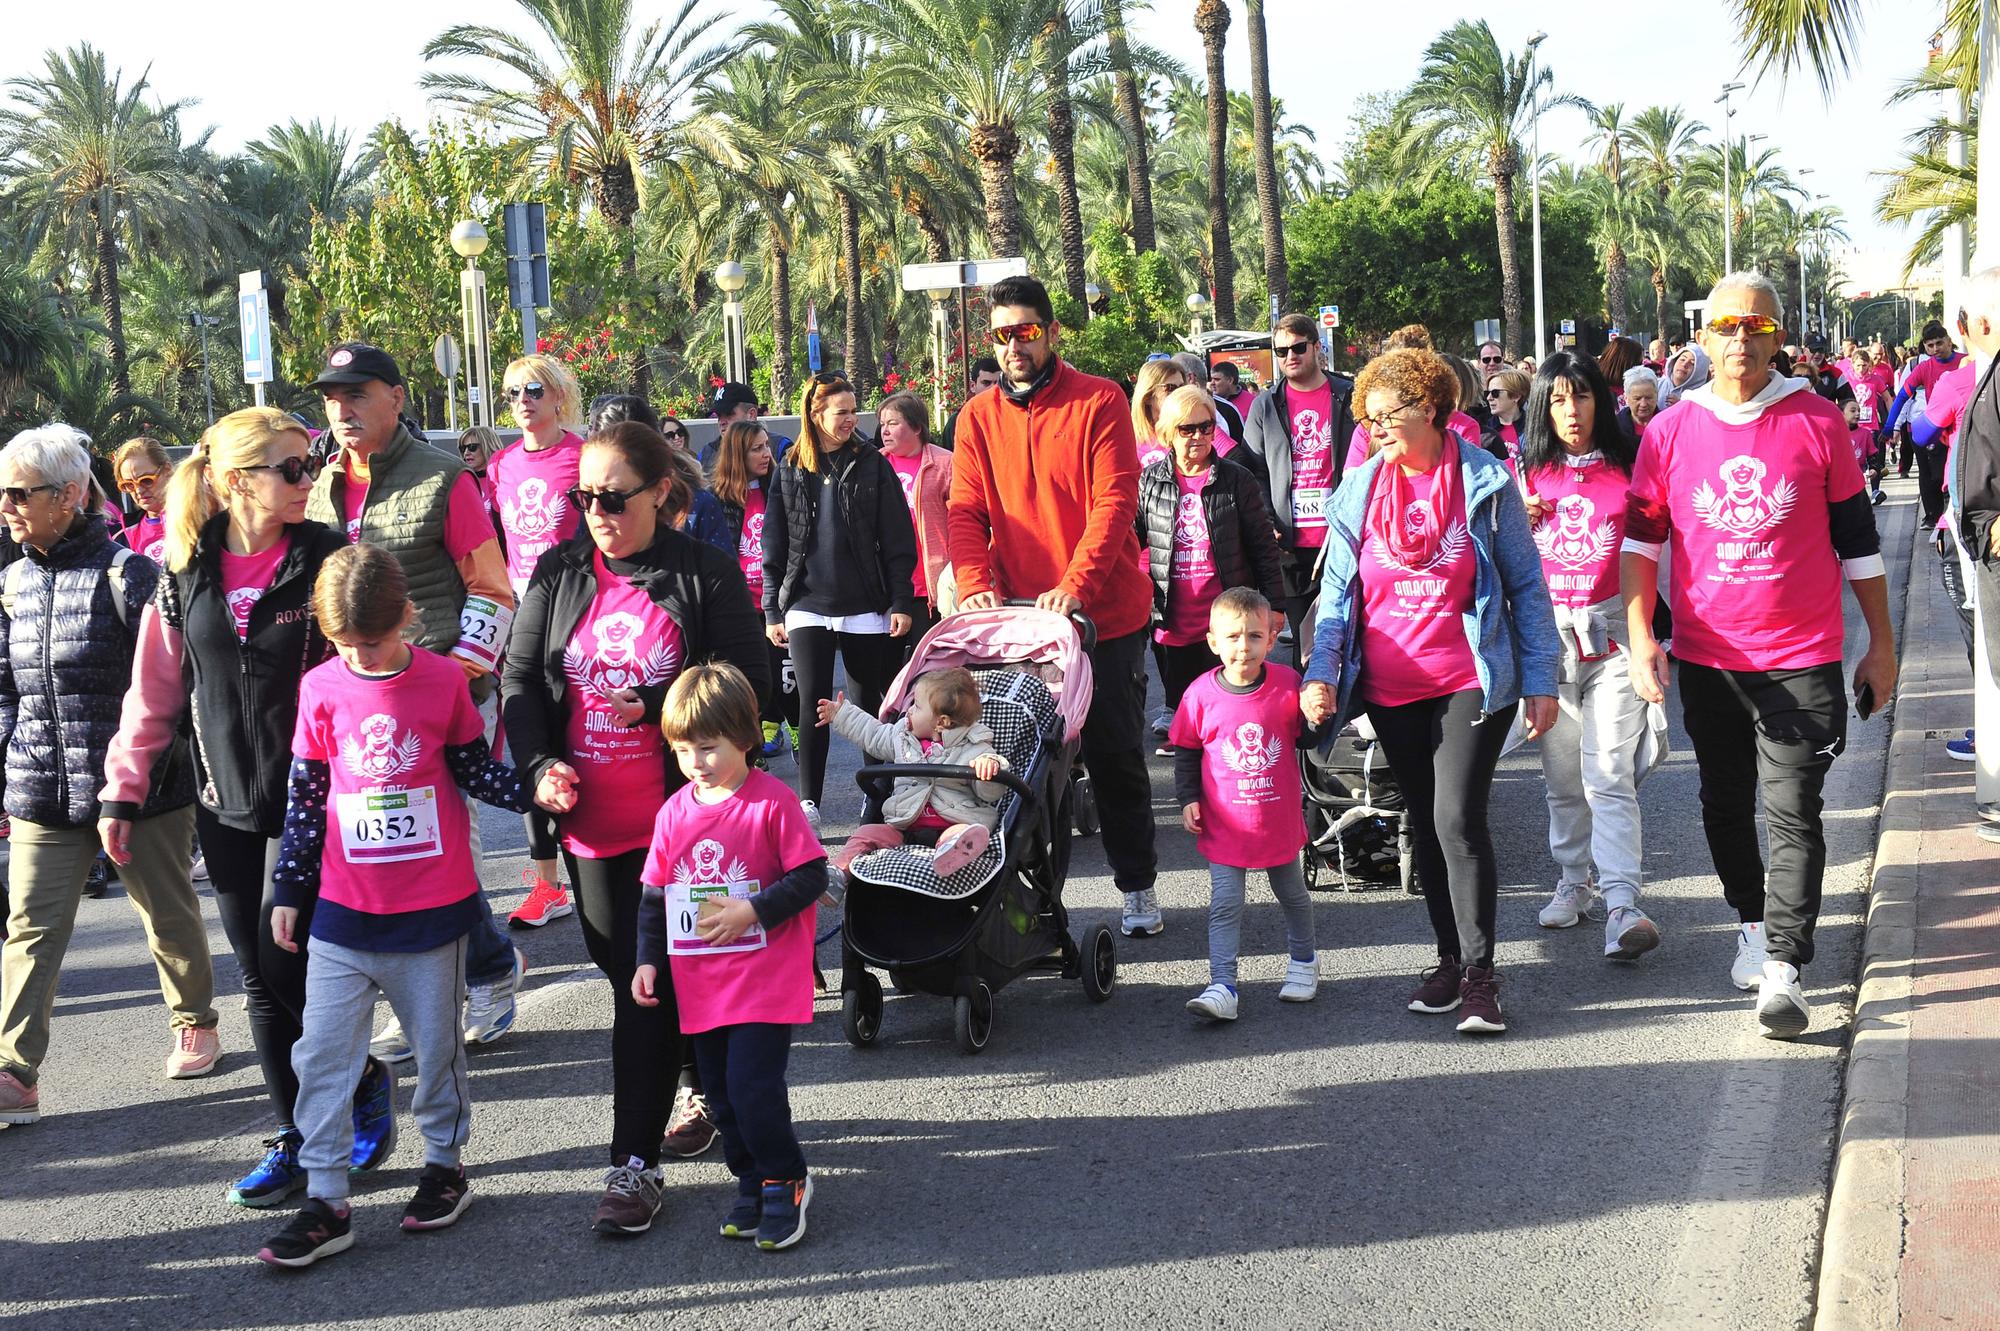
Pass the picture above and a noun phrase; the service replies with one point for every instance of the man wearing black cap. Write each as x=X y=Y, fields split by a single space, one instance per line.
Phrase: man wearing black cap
x=387 y=486
x=735 y=402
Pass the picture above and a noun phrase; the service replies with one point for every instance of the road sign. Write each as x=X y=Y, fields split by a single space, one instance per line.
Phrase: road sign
x=1484 y=331
x=444 y=355
x=1274 y=312
x=955 y=273
x=1329 y=316
x=1569 y=328
x=253 y=310
x=527 y=233
x=814 y=358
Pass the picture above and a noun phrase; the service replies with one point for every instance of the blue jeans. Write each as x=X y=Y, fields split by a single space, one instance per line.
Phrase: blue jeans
x=1225 y=915
x=743 y=1073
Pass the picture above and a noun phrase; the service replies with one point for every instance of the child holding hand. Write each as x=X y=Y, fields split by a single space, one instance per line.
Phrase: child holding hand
x=1236 y=776
x=942 y=728
x=729 y=885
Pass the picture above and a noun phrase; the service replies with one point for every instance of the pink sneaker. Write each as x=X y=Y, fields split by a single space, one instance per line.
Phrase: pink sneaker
x=19 y=1103
x=962 y=850
x=194 y=1053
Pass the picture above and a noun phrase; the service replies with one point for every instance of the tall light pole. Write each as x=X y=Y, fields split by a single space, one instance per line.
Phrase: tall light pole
x=204 y=322
x=1535 y=189
x=1749 y=194
x=468 y=241
x=1728 y=139
x=1804 y=171
x=941 y=342
x=729 y=276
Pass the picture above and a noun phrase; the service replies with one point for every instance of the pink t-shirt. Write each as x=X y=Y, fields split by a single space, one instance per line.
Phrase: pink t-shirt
x=1947 y=404
x=530 y=492
x=1460 y=424
x=1192 y=585
x=906 y=469
x=1579 y=541
x=1242 y=402
x=1251 y=805
x=1312 y=461
x=1413 y=641
x=467 y=525
x=1756 y=582
x=245 y=579
x=735 y=848
x=1863 y=440
x=148 y=537
x=398 y=837
x=1151 y=451
x=750 y=545
x=1924 y=377
x=624 y=641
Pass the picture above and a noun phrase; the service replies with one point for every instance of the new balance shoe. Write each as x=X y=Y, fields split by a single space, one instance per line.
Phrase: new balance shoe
x=690 y=1132
x=1569 y=906
x=1142 y=914
x=194 y=1053
x=1301 y=981
x=318 y=1230
x=1782 y=1010
x=1748 y=968
x=20 y=1103
x=374 y=1118
x=1479 y=1001
x=784 y=1219
x=744 y=1217
x=390 y=1045
x=1216 y=1003
x=1628 y=934
x=1439 y=989
x=277 y=1176
x=631 y=1199
x=442 y=1196
x=490 y=1008
x=546 y=902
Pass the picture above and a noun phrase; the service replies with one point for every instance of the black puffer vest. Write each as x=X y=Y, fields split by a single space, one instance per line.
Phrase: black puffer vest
x=874 y=523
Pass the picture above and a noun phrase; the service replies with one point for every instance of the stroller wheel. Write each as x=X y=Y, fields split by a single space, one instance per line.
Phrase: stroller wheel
x=1312 y=870
x=1100 y=963
x=972 y=1019
x=861 y=1010
x=1084 y=804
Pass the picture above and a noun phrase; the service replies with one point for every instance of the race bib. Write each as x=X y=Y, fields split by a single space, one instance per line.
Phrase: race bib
x=482 y=631
x=690 y=903
x=382 y=826
x=1309 y=506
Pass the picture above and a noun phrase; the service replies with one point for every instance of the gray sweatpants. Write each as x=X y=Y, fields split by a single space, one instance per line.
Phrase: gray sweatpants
x=424 y=990
x=1225 y=915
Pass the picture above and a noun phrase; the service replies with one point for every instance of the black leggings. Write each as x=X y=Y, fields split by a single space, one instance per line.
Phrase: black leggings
x=647 y=1049
x=1182 y=666
x=872 y=660
x=274 y=980
x=782 y=702
x=1443 y=755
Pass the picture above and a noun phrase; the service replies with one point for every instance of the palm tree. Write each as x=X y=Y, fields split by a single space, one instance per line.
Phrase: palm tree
x=1784 y=35
x=98 y=169
x=317 y=163
x=1138 y=135
x=1211 y=20
x=33 y=330
x=1059 y=42
x=1607 y=138
x=1466 y=112
x=1660 y=140
x=1277 y=276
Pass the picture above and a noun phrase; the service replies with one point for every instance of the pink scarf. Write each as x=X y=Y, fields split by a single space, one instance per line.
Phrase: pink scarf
x=1412 y=535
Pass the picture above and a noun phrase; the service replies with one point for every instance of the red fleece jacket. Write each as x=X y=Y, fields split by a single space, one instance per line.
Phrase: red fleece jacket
x=1043 y=498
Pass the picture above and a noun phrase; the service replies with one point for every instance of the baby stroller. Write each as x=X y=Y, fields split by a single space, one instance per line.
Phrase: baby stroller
x=1358 y=833
x=966 y=936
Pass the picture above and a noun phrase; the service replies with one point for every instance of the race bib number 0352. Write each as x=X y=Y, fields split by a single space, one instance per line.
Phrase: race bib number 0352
x=380 y=827
x=688 y=904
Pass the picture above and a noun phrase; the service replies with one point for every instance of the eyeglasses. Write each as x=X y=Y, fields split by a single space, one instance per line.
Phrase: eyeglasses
x=292 y=470
x=1017 y=333
x=131 y=485
x=1750 y=325
x=1290 y=349
x=609 y=502
x=1388 y=420
x=533 y=392
x=1196 y=429
x=674 y=436
x=18 y=495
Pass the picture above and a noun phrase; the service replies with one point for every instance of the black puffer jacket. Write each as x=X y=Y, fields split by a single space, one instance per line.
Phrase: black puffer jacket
x=67 y=661
x=874 y=524
x=1242 y=541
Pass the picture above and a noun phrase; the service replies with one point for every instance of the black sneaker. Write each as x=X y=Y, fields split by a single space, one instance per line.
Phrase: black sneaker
x=744 y=1217
x=97 y=882
x=316 y=1231
x=784 y=1204
x=442 y=1196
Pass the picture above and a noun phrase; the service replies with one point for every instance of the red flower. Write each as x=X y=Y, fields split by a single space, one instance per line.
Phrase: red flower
x=715 y=381
x=541 y=344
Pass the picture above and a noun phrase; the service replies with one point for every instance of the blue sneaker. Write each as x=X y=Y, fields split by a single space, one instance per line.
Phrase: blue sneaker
x=1962 y=750
x=744 y=1217
x=278 y=1177
x=374 y=1118
x=784 y=1212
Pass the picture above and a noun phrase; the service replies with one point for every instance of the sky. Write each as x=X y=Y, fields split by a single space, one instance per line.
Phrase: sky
x=249 y=64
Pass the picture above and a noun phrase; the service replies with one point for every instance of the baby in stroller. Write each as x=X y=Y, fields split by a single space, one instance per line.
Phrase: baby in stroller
x=942 y=728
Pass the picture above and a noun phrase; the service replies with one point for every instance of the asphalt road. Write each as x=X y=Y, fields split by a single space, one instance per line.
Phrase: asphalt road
x=1630 y=1155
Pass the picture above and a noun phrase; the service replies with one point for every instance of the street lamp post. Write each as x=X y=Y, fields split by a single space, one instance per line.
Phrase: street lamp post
x=1535 y=191
x=1198 y=304
x=1728 y=250
x=204 y=322
x=729 y=276
x=940 y=344
x=468 y=241
x=1749 y=195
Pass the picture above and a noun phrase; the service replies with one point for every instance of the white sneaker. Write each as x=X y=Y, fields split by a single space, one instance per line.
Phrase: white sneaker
x=198 y=872
x=1217 y=1003
x=1750 y=956
x=390 y=1045
x=490 y=1008
x=811 y=811
x=1301 y=981
x=1567 y=908
x=1142 y=914
x=1782 y=1010
x=1628 y=934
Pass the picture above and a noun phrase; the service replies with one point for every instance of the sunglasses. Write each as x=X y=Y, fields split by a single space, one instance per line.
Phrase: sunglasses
x=132 y=485
x=1196 y=429
x=292 y=470
x=611 y=503
x=468 y=450
x=533 y=392
x=1017 y=333
x=1496 y=392
x=18 y=495
x=674 y=436
x=1750 y=325
x=1290 y=349
x=1492 y=360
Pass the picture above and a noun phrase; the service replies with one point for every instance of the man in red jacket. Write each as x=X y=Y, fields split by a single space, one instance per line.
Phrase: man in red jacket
x=1045 y=486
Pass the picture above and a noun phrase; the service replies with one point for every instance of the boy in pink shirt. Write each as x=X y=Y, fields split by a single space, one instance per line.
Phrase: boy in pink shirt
x=1236 y=776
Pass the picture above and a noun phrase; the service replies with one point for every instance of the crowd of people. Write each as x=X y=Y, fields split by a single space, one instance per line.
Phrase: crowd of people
x=309 y=654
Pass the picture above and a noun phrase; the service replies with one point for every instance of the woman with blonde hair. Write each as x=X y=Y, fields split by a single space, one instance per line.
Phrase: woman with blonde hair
x=143 y=467
x=528 y=482
x=1157 y=378
x=230 y=635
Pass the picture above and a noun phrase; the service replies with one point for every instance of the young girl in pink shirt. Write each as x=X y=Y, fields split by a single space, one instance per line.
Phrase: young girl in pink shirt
x=1236 y=776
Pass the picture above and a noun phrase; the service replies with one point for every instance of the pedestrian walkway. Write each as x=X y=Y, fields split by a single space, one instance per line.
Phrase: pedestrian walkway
x=1911 y=1239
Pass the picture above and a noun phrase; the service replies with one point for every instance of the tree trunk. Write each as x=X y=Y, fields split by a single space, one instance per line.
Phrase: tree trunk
x=1510 y=261
x=1270 y=199
x=1660 y=304
x=1132 y=119
x=937 y=246
x=1211 y=20
x=995 y=147
x=615 y=192
x=1619 y=274
x=854 y=344
x=1062 y=148
x=781 y=321
x=109 y=300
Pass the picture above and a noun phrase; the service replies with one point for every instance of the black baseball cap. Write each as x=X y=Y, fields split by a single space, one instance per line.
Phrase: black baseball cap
x=357 y=363
x=733 y=395
x=1816 y=343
